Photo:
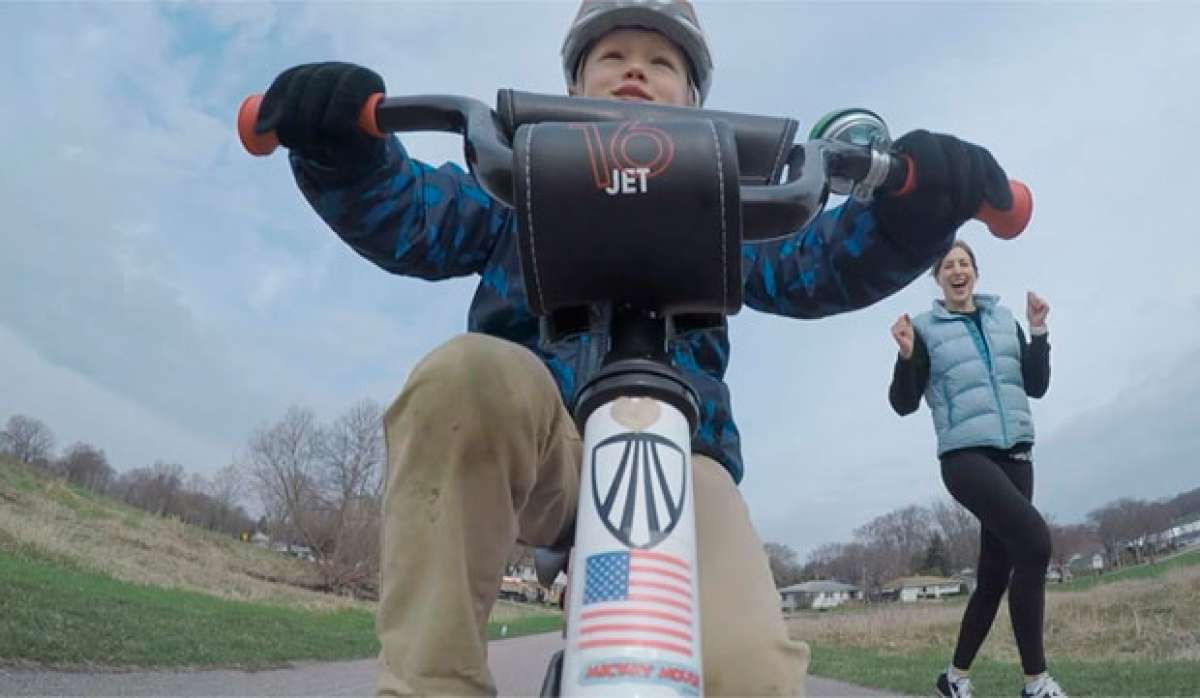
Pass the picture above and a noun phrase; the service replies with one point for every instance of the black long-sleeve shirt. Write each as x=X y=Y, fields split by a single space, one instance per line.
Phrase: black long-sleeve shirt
x=911 y=375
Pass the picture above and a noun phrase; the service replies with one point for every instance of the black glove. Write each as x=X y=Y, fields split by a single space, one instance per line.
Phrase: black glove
x=313 y=109
x=954 y=178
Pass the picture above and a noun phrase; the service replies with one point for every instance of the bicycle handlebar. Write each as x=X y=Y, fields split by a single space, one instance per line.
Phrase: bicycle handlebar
x=769 y=210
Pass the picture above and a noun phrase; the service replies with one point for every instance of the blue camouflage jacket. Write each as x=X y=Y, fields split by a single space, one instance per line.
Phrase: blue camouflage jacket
x=434 y=223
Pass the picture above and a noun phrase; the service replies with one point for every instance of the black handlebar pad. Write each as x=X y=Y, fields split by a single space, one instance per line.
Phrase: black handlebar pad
x=763 y=142
x=629 y=212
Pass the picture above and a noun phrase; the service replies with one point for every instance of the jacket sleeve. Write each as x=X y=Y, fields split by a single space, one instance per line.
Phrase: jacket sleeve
x=1035 y=363
x=406 y=216
x=843 y=260
x=909 y=378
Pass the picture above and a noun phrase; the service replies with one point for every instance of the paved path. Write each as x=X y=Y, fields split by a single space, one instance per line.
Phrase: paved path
x=517 y=664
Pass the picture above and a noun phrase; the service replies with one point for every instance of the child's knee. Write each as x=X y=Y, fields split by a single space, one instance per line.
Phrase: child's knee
x=473 y=374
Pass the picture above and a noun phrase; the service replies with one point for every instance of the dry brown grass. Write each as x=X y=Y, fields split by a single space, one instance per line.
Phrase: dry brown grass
x=1153 y=618
x=44 y=516
x=50 y=519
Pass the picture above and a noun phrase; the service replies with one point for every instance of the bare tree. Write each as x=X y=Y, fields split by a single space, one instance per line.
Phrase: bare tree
x=200 y=502
x=1067 y=541
x=352 y=452
x=960 y=531
x=1132 y=525
x=1152 y=522
x=194 y=507
x=1186 y=504
x=227 y=486
x=895 y=542
x=155 y=489
x=284 y=466
x=320 y=486
x=197 y=483
x=857 y=565
x=28 y=440
x=167 y=486
x=845 y=562
x=935 y=559
x=1116 y=526
x=822 y=561
x=785 y=567
x=863 y=563
x=86 y=466
x=352 y=455
x=224 y=494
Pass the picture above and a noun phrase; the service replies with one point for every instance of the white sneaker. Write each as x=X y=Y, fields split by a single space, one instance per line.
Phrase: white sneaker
x=1046 y=688
x=960 y=688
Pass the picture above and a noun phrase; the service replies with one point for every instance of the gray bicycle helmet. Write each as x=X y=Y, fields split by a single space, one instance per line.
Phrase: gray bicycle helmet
x=675 y=19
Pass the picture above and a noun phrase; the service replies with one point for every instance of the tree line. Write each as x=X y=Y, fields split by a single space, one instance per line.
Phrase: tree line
x=164 y=489
x=943 y=538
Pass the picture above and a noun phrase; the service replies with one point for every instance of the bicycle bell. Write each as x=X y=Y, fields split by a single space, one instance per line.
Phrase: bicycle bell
x=855 y=126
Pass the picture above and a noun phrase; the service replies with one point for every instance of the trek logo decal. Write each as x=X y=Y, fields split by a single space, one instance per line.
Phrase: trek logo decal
x=639 y=481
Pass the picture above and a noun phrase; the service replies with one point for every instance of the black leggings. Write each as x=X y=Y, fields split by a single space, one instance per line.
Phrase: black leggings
x=1014 y=542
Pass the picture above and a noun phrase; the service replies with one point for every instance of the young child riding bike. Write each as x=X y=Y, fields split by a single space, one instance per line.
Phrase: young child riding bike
x=482 y=451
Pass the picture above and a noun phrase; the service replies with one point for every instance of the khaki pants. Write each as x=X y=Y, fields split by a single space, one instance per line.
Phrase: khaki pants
x=482 y=453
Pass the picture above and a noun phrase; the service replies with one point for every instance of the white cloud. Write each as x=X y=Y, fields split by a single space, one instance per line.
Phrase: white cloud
x=78 y=409
x=270 y=285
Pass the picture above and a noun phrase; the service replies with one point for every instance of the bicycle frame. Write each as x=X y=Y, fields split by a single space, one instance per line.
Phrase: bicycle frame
x=633 y=615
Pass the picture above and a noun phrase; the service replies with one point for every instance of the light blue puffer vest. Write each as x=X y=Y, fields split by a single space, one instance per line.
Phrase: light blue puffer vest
x=975 y=389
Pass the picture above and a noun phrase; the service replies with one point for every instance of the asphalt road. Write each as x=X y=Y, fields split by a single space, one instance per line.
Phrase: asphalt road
x=517 y=664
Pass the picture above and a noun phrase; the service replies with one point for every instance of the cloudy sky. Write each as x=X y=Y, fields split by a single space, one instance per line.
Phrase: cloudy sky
x=162 y=293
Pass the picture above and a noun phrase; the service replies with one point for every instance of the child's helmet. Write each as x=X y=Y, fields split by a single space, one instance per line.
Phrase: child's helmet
x=675 y=19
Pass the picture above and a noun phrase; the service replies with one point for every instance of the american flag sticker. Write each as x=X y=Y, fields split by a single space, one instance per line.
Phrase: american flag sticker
x=637 y=598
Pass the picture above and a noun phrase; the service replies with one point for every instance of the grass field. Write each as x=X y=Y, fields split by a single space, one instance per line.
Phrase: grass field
x=46 y=518
x=85 y=580
x=913 y=673
x=1137 y=633
x=1185 y=559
